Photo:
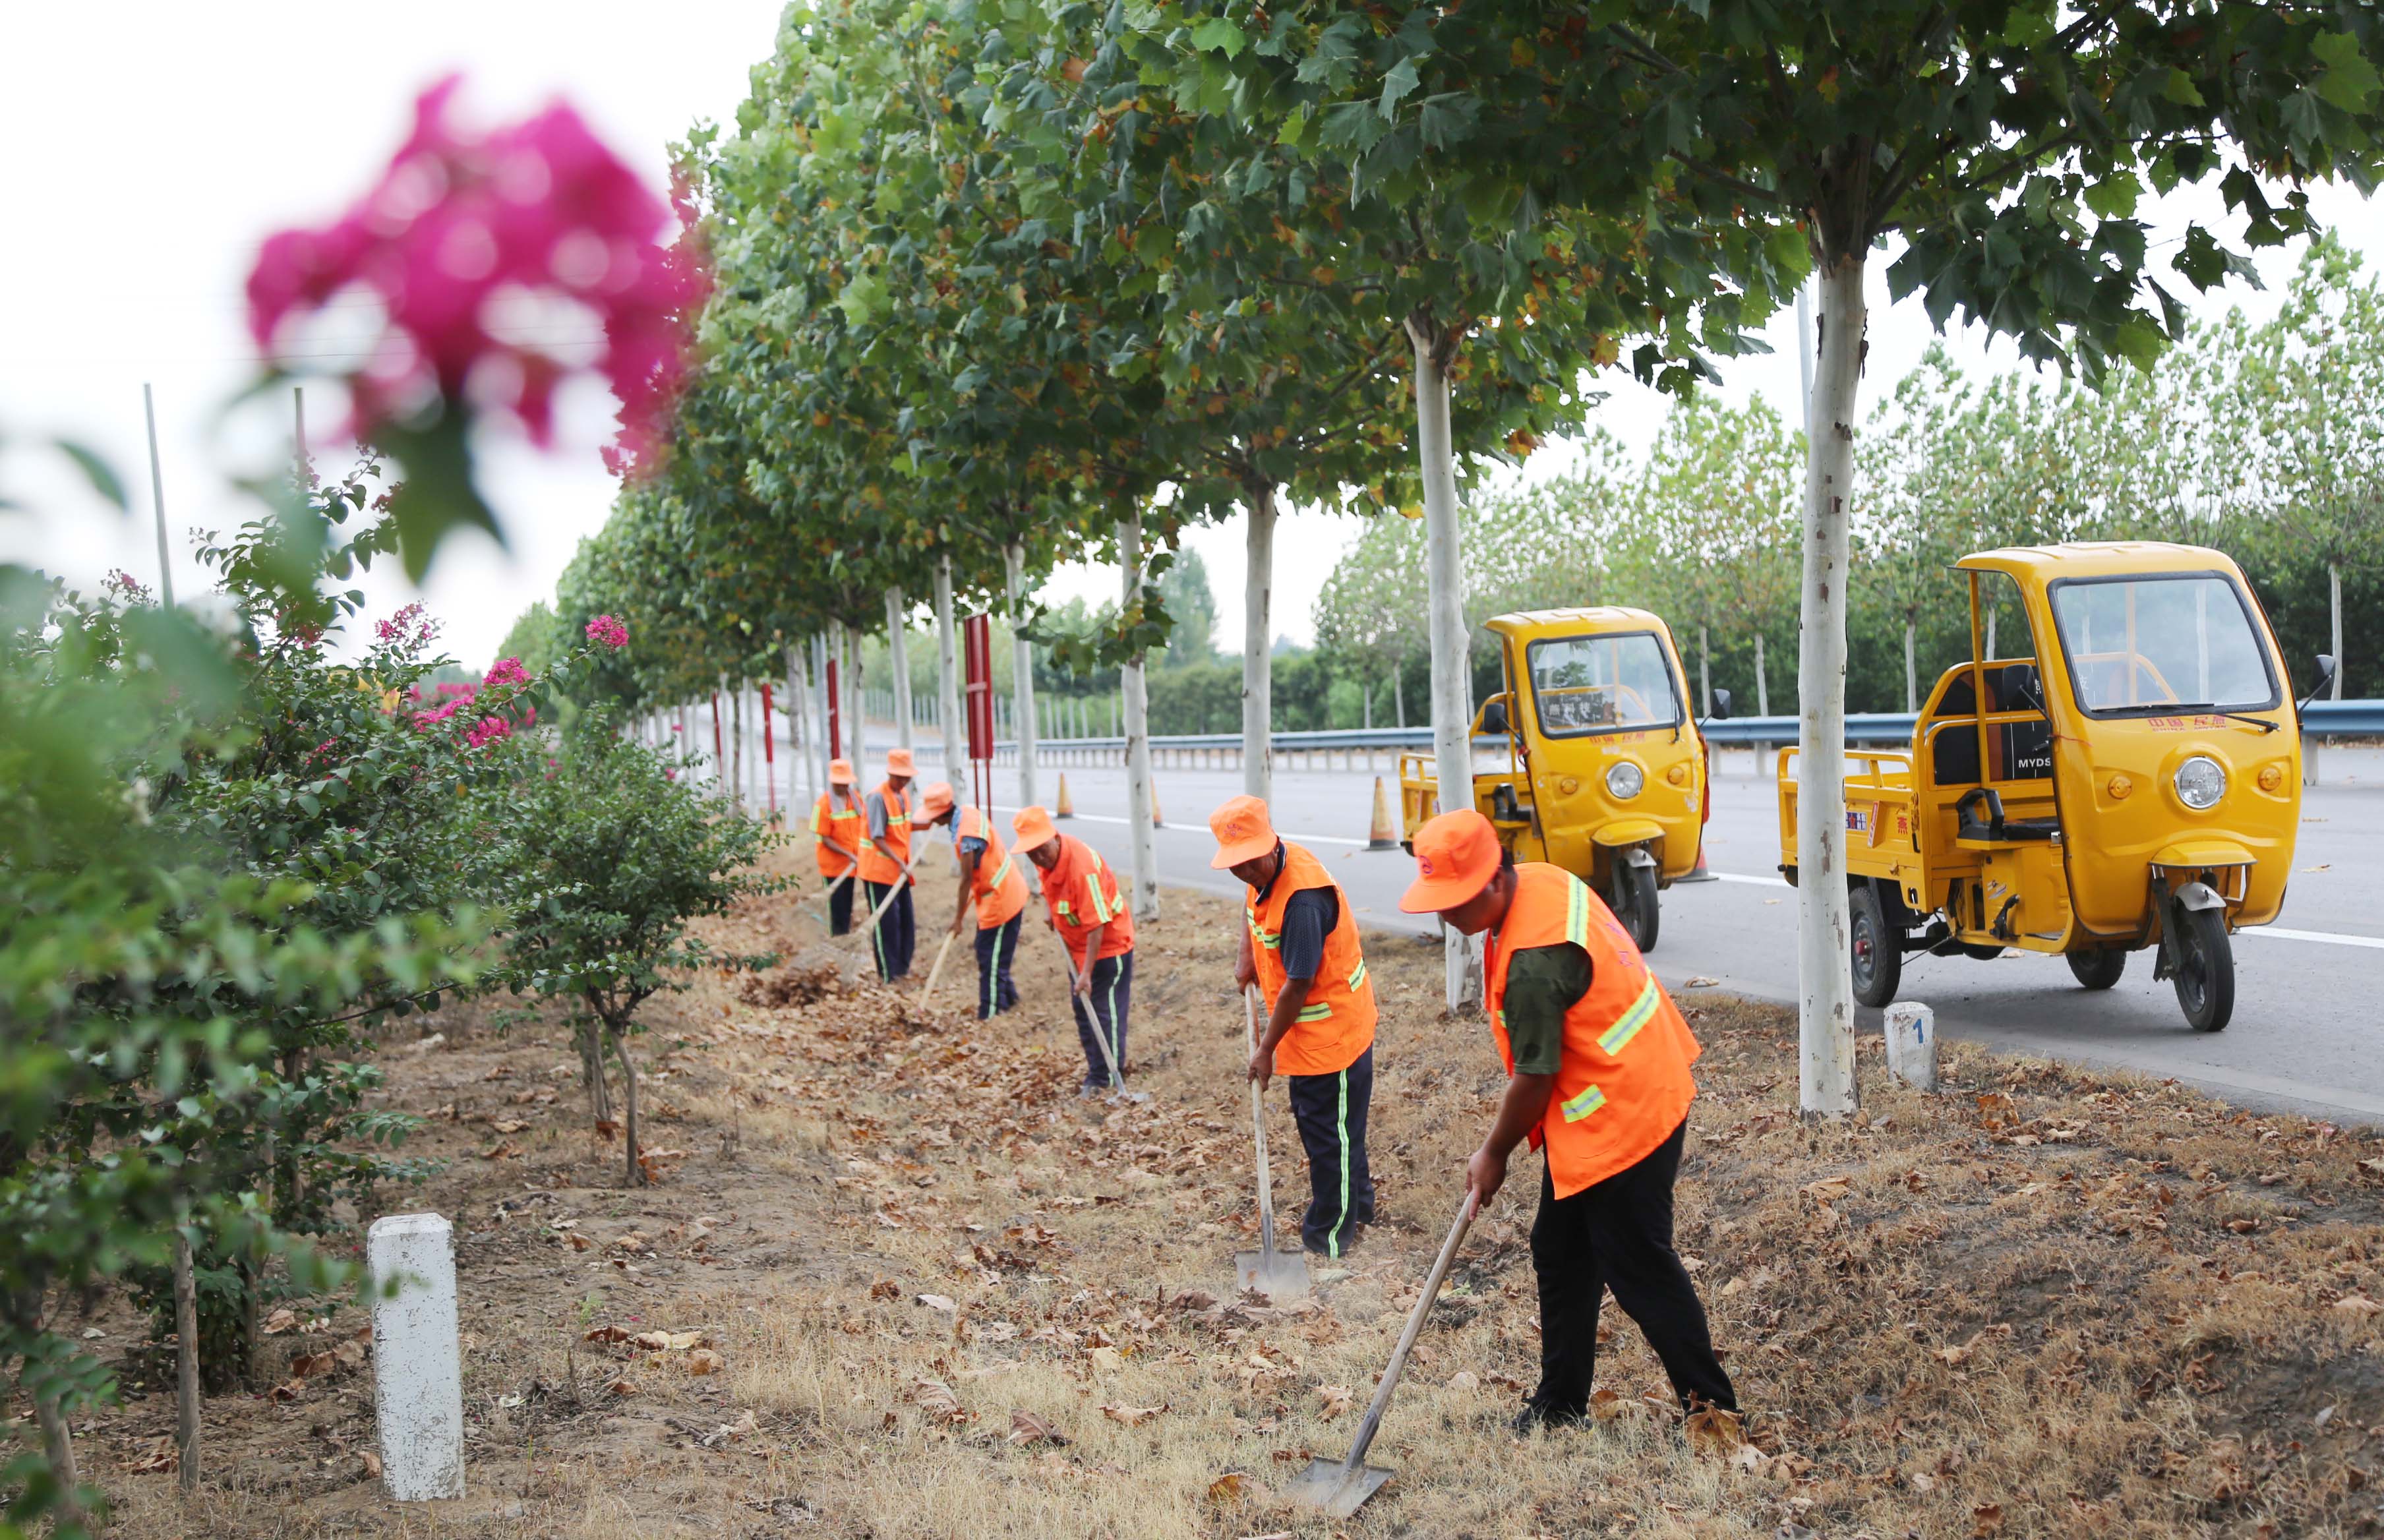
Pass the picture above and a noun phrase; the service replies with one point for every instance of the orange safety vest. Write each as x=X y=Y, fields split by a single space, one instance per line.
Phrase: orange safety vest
x=1082 y=892
x=874 y=867
x=1337 y=1024
x=1623 y=1082
x=848 y=825
x=997 y=884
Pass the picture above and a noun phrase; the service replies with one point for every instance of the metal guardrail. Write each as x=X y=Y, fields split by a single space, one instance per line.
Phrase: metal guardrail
x=2323 y=719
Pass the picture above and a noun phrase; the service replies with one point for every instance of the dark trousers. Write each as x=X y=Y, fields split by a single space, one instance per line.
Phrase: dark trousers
x=1105 y=1012
x=1618 y=1235
x=897 y=933
x=839 y=906
x=1331 y=1113
x=996 y=946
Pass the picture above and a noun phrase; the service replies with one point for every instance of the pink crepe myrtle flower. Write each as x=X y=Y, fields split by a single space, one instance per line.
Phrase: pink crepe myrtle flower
x=410 y=626
x=461 y=229
x=608 y=632
x=506 y=671
x=489 y=729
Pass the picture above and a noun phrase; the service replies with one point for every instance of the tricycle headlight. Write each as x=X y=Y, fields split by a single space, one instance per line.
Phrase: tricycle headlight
x=1624 y=780
x=2200 y=782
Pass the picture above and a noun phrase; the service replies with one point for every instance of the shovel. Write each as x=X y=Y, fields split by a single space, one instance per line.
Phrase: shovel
x=1340 y=1489
x=938 y=971
x=1276 y=1275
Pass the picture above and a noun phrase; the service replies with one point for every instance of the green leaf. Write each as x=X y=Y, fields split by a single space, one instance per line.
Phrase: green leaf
x=101 y=476
x=2115 y=197
x=2350 y=78
x=2179 y=88
x=438 y=493
x=1395 y=84
x=1219 y=32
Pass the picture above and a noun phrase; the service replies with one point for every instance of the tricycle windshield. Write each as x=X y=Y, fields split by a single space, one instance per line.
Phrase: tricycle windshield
x=1599 y=684
x=2177 y=641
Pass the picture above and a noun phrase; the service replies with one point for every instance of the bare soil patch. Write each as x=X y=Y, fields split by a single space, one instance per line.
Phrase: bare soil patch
x=898 y=1281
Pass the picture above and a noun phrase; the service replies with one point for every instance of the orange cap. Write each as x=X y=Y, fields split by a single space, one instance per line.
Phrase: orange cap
x=1032 y=828
x=936 y=801
x=1457 y=854
x=898 y=762
x=839 y=772
x=1242 y=830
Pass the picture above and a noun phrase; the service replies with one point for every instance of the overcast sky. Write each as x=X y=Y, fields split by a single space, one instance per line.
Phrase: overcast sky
x=150 y=148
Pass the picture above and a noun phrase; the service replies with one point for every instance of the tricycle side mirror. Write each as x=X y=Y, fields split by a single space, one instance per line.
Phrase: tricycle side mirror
x=1721 y=705
x=2325 y=679
x=1493 y=717
x=2025 y=684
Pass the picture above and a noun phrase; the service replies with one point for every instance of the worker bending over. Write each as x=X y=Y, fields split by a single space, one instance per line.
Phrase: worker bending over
x=1598 y=1063
x=837 y=824
x=886 y=868
x=992 y=884
x=1300 y=946
x=1091 y=918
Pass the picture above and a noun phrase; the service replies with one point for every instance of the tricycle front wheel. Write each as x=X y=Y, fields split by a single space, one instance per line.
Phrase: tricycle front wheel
x=2205 y=968
x=1634 y=902
x=2097 y=970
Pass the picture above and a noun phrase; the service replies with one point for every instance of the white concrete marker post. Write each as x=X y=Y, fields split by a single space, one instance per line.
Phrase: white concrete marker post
x=417 y=1356
x=1912 y=1044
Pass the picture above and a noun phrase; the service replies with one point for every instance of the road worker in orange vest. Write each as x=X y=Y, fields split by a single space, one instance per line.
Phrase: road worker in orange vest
x=1090 y=917
x=993 y=886
x=1300 y=946
x=837 y=824
x=886 y=868
x=1598 y=1063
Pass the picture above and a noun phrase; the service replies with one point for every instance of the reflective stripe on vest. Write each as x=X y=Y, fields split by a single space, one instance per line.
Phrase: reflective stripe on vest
x=1627 y=1025
x=1588 y=1101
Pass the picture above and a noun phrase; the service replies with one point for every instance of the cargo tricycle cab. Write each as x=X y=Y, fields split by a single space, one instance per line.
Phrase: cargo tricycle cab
x=1606 y=771
x=2132 y=782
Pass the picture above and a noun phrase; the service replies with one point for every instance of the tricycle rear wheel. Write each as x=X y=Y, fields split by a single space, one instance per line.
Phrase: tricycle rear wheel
x=1634 y=902
x=2097 y=970
x=1877 y=949
x=2205 y=967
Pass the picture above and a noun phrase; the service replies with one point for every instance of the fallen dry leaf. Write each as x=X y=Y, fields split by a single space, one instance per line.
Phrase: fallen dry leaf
x=703 y=1360
x=606 y=1333
x=936 y=1400
x=505 y=1152
x=622 y=1387
x=305 y=1365
x=1605 y=1405
x=372 y=1465
x=1028 y=1428
x=509 y=1125
x=2357 y=1304
x=943 y=1302
x=162 y=1456
x=1333 y=1399
x=668 y=1342
x=1465 y=1379
x=281 y=1321
x=1713 y=1431
x=1987 y=1519
x=1228 y=1488
x=1133 y=1416
x=1700 y=982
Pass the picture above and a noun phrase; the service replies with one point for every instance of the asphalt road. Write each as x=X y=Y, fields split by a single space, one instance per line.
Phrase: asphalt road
x=2309 y=990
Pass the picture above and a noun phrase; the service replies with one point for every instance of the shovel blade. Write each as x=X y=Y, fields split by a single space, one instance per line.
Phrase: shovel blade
x=1277 y=1274
x=1324 y=1485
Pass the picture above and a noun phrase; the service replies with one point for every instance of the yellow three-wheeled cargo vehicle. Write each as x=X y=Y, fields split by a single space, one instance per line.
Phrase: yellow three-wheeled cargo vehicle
x=1605 y=773
x=2132 y=781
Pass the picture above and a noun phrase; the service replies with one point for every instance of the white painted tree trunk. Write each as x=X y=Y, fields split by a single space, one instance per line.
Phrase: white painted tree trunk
x=856 y=709
x=1825 y=984
x=2334 y=607
x=1258 y=659
x=1399 y=695
x=1022 y=683
x=737 y=745
x=1911 y=670
x=820 y=749
x=1452 y=693
x=898 y=662
x=1762 y=680
x=947 y=684
x=1137 y=734
x=1705 y=670
x=1990 y=627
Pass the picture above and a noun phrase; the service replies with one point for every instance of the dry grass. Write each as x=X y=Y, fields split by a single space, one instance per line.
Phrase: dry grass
x=2042 y=1303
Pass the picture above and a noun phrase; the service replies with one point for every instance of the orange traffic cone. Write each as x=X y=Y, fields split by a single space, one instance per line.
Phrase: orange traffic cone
x=1698 y=872
x=1384 y=834
x=1067 y=806
x=1157 y=819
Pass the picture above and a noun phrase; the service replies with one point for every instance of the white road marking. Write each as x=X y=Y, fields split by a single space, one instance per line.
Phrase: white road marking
x=2329 y=937
x=2326 y=938
x=1303 y=839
